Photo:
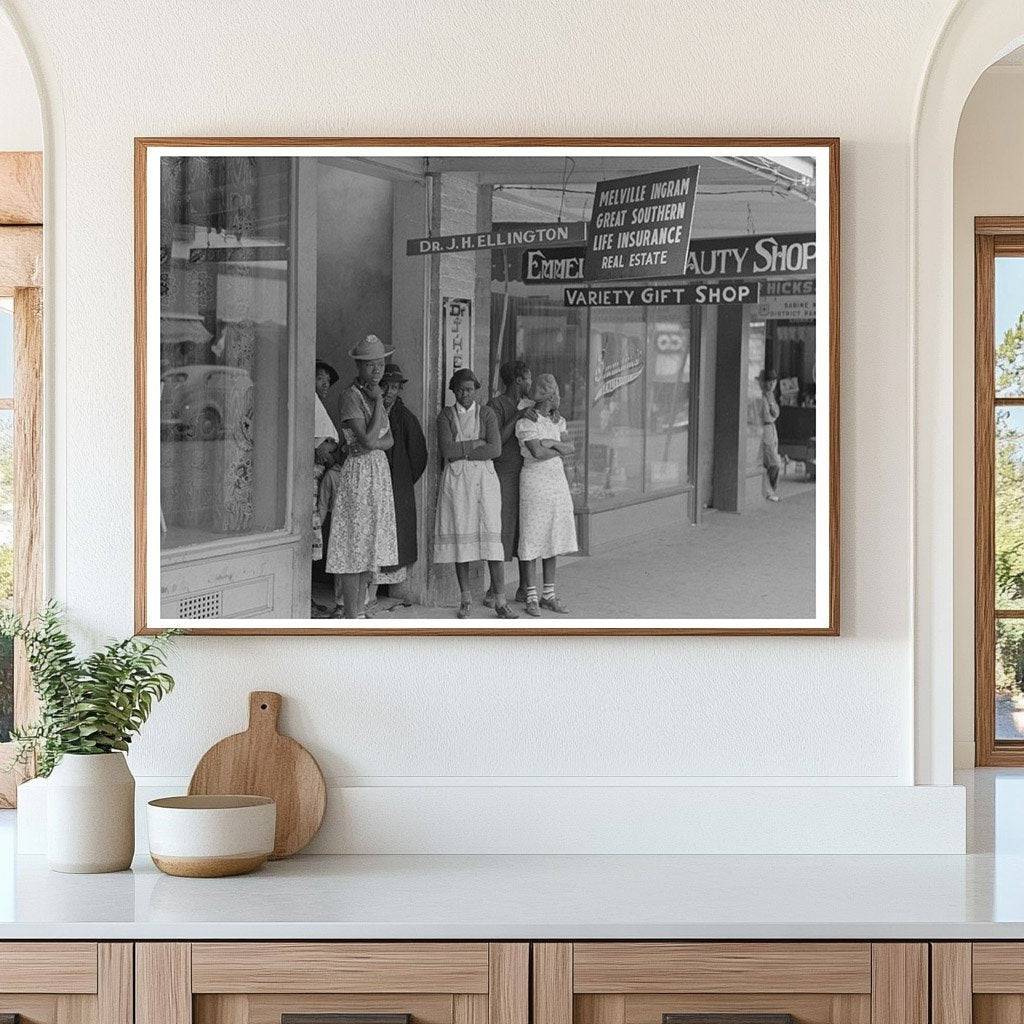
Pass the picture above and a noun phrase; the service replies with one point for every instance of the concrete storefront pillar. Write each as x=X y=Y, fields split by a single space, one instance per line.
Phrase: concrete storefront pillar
x=458 y=204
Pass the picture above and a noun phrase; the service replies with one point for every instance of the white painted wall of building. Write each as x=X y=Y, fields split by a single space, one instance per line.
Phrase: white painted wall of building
x=439 y=715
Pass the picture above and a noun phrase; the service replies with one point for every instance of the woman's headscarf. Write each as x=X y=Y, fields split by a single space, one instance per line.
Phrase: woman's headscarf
x=545 y=386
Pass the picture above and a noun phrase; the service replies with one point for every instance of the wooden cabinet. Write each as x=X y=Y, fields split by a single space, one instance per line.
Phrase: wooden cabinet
x=815 y=982
x=66 y=982
x=494 y=983
x=979 y=982
x=259 y=982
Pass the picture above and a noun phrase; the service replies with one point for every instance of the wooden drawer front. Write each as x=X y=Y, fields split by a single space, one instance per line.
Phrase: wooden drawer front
x=648 y=1009
x=268 y=1009
x=998 y=967
x=365 y=967
x=713 y=967
x=48 y=967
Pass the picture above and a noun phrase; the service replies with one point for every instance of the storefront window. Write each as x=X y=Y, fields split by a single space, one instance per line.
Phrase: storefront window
x=668 y=398
x=618 y=354
x=552 y=339
x=224 y=347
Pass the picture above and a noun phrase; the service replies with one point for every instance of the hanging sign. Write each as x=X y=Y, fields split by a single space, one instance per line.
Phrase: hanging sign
x=640 y=226
x=723 y=293
x=789 y=255
x=788 y=300
x=542 y=266
x=519 y=236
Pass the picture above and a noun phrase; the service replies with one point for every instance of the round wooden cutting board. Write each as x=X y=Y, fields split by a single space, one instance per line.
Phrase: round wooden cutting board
x=262 y=762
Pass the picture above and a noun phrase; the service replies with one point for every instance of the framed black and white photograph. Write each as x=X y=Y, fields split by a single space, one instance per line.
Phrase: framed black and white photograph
x=539 y=386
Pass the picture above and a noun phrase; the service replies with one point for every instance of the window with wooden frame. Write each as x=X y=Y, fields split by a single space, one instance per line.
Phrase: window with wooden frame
x=21 y=366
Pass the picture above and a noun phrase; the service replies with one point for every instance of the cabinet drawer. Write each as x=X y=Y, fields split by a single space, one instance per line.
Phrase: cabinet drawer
x=48 y=967
x=66 y=982
x=340 y=967
x=634 y=967
x=260 y=982
x=752 y=982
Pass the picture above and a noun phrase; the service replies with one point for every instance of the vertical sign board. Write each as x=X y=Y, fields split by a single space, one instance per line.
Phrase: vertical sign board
x=640 y=226
x=456 y=339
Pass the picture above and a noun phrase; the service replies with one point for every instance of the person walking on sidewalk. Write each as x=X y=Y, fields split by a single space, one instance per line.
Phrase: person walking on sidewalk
x=767 y=412
x=512 y=405
x=467 y=526
x=547 y=525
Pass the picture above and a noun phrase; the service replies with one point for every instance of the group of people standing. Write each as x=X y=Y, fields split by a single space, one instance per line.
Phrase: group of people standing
x=503 y=492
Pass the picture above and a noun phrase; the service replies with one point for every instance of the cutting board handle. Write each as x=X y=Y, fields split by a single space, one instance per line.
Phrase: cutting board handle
x=264 y=710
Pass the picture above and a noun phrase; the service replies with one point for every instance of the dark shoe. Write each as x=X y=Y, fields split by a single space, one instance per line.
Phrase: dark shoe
x=505 y=612
x=463 y=612
x=532 y=608
x=553 y=605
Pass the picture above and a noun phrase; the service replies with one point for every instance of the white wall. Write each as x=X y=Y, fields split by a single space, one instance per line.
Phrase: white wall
x=988 y=181
x=441 y=714
x=21 y=125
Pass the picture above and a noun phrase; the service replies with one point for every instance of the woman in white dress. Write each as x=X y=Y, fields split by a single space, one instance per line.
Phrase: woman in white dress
x=547 y=526
x=467 y=526
x=363 y=535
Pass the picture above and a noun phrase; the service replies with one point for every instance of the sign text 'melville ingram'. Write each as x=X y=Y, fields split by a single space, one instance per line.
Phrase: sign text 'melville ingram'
x=520 y=235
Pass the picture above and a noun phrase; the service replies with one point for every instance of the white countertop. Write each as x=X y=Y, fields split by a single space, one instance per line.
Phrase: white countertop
x=978 y=896
x=532 y=897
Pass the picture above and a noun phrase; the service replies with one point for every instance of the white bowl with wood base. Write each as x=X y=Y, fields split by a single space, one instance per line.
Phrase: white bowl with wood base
x=211 y=836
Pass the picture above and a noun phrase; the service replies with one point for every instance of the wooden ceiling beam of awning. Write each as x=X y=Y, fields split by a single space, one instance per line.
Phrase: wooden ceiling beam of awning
x=21 y=188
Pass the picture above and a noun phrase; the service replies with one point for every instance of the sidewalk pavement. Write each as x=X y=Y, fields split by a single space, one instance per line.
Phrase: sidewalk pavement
x=756 y=565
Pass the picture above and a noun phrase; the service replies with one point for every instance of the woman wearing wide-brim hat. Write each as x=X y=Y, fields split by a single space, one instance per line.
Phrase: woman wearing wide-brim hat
x=767 y=412
x=467 y=526
x=363 y=536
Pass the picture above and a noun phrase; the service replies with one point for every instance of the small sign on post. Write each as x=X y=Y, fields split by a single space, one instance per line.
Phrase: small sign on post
x=456 y=339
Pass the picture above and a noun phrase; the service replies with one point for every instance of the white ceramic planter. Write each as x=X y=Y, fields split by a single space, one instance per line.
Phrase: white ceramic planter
x=90 y=814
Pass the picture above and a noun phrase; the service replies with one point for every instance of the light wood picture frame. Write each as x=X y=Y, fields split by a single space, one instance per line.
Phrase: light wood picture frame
x=654 y=278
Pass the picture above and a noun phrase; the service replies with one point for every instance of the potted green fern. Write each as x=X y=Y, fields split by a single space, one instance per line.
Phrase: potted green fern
x=89 y=710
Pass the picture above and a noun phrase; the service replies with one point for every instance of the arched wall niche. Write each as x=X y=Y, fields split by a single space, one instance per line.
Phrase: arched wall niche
x=975 y=35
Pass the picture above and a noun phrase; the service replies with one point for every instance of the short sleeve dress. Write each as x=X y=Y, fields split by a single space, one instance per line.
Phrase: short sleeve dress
x=547 y=525
x=363 y=536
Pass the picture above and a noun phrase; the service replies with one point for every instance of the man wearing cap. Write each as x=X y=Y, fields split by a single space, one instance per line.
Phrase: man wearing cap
x=407 y=458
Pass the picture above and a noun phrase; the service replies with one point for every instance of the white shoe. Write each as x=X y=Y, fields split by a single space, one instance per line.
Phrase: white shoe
x=774 y=497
